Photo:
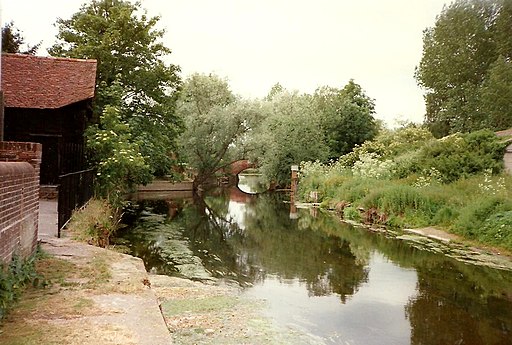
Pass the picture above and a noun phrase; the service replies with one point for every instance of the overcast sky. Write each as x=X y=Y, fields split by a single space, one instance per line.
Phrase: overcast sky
x=302 y=44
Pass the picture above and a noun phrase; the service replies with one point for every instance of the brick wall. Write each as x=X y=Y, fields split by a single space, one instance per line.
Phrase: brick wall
x=19 y=198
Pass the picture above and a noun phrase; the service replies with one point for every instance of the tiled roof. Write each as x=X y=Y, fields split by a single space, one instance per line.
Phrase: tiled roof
x=46 y=82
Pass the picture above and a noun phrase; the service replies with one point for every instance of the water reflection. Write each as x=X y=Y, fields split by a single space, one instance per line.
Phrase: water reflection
x=340 y=283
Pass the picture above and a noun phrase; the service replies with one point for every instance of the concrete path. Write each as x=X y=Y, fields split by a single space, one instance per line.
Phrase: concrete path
x=126 y=310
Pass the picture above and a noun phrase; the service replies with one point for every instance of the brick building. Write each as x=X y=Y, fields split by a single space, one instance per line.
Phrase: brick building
x=49 y=101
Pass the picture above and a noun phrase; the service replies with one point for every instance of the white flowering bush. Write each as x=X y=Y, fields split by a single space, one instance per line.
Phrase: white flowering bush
x=369 y=165
x=307 y=169
x=491 y=186
x=428 y=178
x=119 y=162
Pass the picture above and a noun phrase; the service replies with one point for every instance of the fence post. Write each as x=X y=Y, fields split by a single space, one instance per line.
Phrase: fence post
x=293 y=192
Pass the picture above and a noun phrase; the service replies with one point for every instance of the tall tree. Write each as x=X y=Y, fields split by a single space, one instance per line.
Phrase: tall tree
x=216 y=125
x=496 y=96
x=13 y=41
x=128 y=48
x=290 y=133
x=457 y=53
x=346 y=117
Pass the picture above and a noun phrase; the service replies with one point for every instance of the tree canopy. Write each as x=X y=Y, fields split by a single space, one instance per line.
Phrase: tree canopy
x=216 y=125
x=128 y=48
x=465 y=60
x=346 y=117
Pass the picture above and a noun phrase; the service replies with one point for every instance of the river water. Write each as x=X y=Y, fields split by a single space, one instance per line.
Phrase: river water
x=338 y=283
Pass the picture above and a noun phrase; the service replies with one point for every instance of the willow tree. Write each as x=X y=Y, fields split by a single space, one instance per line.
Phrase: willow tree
x=216 y=125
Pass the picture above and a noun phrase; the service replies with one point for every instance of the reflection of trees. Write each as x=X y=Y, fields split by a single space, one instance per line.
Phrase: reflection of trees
x=458 y=304
x=273 y=244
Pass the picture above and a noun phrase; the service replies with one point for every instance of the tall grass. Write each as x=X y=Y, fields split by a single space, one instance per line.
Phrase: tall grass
x=478 y=208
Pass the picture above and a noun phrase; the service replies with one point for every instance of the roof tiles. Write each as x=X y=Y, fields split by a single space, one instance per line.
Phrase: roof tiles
x=45 y=82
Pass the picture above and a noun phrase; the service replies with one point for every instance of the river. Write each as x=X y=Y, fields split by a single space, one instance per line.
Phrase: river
x=338 y=283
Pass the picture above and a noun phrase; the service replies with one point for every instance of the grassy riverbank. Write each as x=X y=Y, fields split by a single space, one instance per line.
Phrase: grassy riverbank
x=406 y=178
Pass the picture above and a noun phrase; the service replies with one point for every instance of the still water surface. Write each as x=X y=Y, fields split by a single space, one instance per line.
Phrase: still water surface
x=338 y=283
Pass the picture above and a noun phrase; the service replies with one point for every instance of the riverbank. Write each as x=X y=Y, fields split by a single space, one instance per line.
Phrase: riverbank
x=99 y=296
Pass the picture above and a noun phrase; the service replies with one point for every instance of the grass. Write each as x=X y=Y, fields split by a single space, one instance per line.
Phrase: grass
x=53 y=313
x=479 y=208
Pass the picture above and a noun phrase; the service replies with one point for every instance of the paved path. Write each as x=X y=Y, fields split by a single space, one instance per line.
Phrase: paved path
x=126 y=308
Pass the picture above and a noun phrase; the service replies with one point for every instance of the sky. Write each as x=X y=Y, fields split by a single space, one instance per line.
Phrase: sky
x=302 y=44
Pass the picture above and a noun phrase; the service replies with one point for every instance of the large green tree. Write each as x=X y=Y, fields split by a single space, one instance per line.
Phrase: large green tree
x=216 y=125
x=346 y=117
x=465 y=67
x=128 y=48
x=290 y=133
x=457 y=53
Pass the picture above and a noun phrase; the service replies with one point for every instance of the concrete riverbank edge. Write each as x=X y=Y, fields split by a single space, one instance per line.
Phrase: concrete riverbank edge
x=99 y=297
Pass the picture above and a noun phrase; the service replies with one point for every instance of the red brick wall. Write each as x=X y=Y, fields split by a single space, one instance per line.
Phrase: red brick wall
x=19 y=198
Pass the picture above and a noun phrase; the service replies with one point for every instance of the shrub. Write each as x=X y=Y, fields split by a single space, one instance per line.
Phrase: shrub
x=462 y=155
x=352 y=213
x=370 y=166
x=472 y=217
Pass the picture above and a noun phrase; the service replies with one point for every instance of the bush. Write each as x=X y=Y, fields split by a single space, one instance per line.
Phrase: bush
x=472 y=217
x=462 y=155
x=352 y=213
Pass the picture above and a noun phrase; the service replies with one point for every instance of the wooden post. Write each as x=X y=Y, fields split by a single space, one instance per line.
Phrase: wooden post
x=293 y=208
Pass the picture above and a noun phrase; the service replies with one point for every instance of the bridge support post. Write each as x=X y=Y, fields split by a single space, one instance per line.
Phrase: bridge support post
x=293 y=192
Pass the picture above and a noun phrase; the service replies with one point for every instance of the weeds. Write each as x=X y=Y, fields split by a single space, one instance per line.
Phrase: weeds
x=95 y=224
x=19 y=274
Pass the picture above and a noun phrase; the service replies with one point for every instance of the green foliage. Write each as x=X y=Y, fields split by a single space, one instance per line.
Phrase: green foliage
x=216 y=125
x=398 y=199
x=352 y=213
x=370 y=166
x=496 y=95
x=451 y=182
x=14 y=278
x=462 y=155
x=346 y=117
x=126 y=44
x=496 y=229
x=96 y=223
x=464 y=68
x=120 y=165
x=289 y=134
x=473 y=216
